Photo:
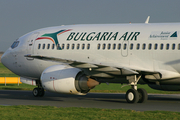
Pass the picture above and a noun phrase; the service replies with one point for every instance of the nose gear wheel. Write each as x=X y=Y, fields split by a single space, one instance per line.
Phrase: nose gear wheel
x=38 y=92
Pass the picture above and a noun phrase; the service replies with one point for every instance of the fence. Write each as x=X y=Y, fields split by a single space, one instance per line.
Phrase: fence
x=10 y=80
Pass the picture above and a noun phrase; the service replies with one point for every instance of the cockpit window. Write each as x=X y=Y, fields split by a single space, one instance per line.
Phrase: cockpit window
x=15 y=44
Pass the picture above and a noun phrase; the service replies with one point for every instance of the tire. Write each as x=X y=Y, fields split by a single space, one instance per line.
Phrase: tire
x=41 y=92
x=36 y=92
x=142 y=95
x=132 y=96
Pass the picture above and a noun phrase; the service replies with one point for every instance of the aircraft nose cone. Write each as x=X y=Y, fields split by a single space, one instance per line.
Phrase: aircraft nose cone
x=5 y=59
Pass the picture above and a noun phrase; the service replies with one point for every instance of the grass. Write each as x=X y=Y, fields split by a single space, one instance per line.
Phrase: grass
x=16 y=87
x=54 y=113
x=116 y=88
x=4 y=72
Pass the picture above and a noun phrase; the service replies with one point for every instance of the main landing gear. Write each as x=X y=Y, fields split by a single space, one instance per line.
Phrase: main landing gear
x=38 y=91
x=135 y=95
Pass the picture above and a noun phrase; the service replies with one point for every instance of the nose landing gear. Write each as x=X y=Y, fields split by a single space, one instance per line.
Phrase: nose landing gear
x=38 y=92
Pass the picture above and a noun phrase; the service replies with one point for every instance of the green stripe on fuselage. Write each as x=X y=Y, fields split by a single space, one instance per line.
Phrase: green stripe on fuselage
x=54 y=37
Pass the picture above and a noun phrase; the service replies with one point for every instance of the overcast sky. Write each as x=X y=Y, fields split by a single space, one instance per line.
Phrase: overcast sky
x=18 y=17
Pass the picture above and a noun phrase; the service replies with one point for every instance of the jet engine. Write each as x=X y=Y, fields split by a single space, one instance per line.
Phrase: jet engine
x=66 y=79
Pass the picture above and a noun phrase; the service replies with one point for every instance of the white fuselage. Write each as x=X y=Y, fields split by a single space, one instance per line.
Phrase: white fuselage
x=140 y=47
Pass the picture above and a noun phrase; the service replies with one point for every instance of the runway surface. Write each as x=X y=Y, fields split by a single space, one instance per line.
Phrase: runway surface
x=91 y=100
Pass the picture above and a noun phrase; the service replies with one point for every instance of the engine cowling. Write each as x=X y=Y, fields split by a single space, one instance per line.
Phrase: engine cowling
x=66 y=79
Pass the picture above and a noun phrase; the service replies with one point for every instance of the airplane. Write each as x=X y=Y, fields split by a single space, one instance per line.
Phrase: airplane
x=73 y=59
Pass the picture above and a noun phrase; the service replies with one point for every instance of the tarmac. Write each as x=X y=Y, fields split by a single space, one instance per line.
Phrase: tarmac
x=160 y=102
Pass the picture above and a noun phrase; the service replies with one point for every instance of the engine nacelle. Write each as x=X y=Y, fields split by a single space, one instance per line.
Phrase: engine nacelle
x=165 y=87
x=66 y=79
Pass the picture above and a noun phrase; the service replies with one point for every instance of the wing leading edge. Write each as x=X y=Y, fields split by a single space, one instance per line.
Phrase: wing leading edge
x=95 y=70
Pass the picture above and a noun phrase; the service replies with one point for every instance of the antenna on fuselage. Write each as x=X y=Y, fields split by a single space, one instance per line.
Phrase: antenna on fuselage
x=147 y=20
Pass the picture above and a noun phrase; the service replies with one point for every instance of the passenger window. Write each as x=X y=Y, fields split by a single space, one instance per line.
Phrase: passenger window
x=155 y=46
x=167 y=46
x=78 y=46
x=138 y=46
x=88 y=46
x=161 y=47
x=109 y=46
x=43 y=46
x=125 y=46
x=72 y=46
x=53 y=46
x=173 y=46
x=67 y=46
x=62 y=46
x=58 y=46
x=131 y=46
x=83 y=45
x=39 y=46
x=48 y=46
x=98 y=47
x=144 y=46
x=119 y=46
x=150 y=46
x=104 y=46
x=114 y=46
x=178 y=46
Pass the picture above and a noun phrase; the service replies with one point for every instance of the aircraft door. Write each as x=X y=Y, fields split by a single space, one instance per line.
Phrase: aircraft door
x=30 y=44
x=125 y=47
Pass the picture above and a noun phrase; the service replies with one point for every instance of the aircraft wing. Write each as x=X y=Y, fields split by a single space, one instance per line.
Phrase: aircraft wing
x=92 y=69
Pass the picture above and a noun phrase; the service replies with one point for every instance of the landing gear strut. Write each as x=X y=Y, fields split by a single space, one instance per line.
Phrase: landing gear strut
x=38 y=91
x=135 y=95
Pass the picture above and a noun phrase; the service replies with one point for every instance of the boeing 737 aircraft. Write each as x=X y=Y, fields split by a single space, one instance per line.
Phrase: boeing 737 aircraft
x=74 y=59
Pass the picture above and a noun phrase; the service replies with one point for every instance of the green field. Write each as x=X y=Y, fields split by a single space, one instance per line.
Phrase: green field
x=116 y=88
x=4 y=72
x=16 y=87
x=54 y=113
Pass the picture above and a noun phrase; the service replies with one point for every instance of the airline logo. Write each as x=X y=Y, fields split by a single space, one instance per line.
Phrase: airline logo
x=82 y=36
x=53 y=37
x=163 y=35
x=91 y=36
